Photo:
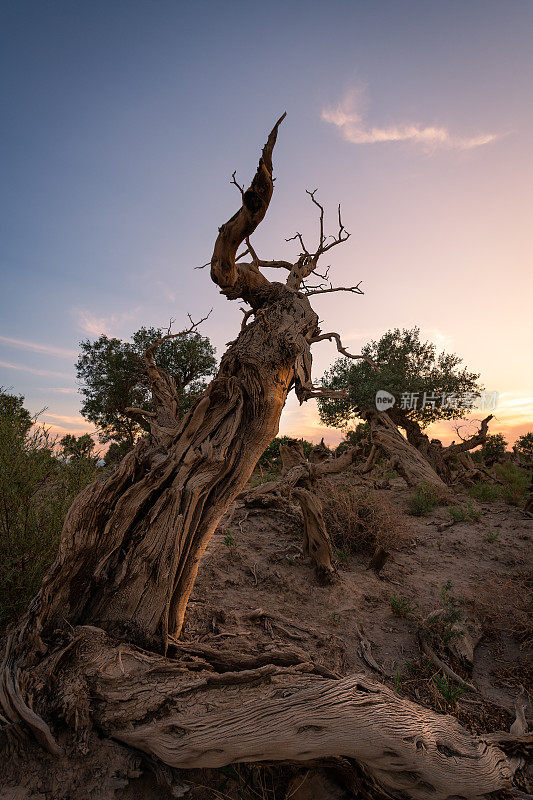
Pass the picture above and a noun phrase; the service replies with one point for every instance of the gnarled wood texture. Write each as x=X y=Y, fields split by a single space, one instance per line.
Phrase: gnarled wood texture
x=129 y=554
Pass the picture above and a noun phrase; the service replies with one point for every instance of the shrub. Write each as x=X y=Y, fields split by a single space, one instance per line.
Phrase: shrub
x=484 y=491
x=448 y=689
x=524 y=446
x=356 y=520
x=493 y=448
x=402 y=607
x=464 y=513
x=515 y=483
x=36 y=490
x=423 y=500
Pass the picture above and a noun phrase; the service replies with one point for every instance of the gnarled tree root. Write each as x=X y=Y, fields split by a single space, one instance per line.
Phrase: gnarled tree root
x=408 y=749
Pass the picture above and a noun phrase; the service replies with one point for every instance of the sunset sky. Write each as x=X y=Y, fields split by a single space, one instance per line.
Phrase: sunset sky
x=124 y=120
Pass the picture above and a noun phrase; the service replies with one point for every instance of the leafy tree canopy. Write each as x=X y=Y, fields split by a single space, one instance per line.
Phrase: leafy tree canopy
x=524 y=445
x=408 y=366
x=12 y=408
x=113 y=377
x=493 y=448
x=77 y=446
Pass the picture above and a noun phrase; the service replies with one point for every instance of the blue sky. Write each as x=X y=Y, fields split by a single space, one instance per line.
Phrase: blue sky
x=122 y=124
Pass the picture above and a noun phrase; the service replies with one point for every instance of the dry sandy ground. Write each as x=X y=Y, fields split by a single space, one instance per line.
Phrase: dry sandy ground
x=257 y=593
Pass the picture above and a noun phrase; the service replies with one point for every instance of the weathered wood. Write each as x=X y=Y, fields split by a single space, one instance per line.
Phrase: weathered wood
x=129 y=554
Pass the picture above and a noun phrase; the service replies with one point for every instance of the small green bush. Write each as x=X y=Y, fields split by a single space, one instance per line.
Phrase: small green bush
x=402 y=607
x=36 y=491
x=515 y=483
x=448 y=689
x=423 y=500
x=485 y=491
x=464 y=513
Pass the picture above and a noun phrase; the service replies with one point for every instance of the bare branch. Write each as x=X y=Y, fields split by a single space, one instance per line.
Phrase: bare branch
x=321 y=237
x=240 y=282
x=342 y=349
x=234 y=182
x=149 y=352
x=353 y=289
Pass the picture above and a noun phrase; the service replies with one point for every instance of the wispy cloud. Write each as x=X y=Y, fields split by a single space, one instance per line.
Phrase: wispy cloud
x=34 y=370
x=96 y=325
x=348 y=117
x=58 y=389
x=69 y=420
x=37 y=347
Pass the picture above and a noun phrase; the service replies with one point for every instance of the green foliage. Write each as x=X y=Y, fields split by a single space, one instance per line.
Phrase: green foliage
x=36 y=490
x=402 y=607
x=116 y=452
x=448 y=689
x=494 y=448
x=513 y=488
x=397 y=680
x=464 y=513
x=423 y=500
x=113 y=377
x=515 y=483
x=492 y=535
x=229 y=541
x=439 y=629
x=407 y=365
x=484 y=491
x=72 y=447
x=524 y=446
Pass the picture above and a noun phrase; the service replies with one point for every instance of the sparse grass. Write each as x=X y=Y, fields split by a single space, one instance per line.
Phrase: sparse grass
x=450 y=691
x=464 y=513
x=423 y=500
x=515 y=483
x=230 y=541
x=335 y=618
x=485 y=491
x=397 y=680
x=357 y=520
x=439 y=629
x=513 y=487
x=402 y=607
x=491 y=535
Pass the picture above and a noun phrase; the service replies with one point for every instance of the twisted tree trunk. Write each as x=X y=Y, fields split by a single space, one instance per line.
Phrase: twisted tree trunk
x=129 y=555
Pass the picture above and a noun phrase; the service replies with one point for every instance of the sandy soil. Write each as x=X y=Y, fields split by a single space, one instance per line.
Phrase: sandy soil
x=256 y=593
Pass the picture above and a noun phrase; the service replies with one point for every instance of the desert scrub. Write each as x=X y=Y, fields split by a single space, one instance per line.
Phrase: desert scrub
x=515 y=482
x=464 y=513
x=423 y=500
x=402 y=607
x=438 y=629
x=485 y=491
x=356 y=520
x=36 y=491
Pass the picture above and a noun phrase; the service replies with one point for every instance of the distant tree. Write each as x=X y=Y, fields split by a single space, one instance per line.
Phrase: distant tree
x=12 y=408
x=493 y=449
x=113 y=378
x=524 y=446
x=77 y=446
x=408 y=367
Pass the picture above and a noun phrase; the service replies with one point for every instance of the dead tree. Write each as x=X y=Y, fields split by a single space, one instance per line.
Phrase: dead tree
x=95 y=648
x=453 y=464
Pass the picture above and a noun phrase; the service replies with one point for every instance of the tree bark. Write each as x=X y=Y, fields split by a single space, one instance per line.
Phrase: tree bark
x=129 y=555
